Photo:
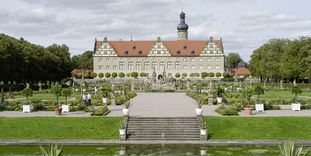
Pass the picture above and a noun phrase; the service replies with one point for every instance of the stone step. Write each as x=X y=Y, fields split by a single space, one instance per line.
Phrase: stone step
x=182 y=128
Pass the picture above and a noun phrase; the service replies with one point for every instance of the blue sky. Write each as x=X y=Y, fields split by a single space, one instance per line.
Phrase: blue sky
x=244 y=25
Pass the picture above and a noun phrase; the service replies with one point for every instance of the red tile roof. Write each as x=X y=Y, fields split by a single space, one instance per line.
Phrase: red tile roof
x=242 y=71
x=142 y=48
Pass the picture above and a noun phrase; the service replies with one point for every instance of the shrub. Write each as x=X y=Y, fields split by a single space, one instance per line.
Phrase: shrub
x=121 y=99
x=177 y=75
x=38 y=106
x=128 y=74
x=227 y=75
x=142 y=74
x=101 y=75
x=134 y=75
x=258 y=90
x=121 y=75
x=211 y=74
x=86 y=75
x=93 y=75
x=227 y=110
x=271 y=107
x=184 y=74
x=14 y=106
x=107 y=75
x=27 y=92
x=204 y=75
x=218 y=74
x=100 y=111
x=114 y=75
x=131 y=94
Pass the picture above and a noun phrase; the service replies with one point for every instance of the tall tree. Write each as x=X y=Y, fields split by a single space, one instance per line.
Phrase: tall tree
x=83 y=61
x=233 y=59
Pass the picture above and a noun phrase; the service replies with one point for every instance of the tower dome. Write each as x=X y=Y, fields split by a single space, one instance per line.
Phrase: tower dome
x=182 y=26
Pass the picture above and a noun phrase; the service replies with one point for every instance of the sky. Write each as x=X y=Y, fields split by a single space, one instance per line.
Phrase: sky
x=244 y=25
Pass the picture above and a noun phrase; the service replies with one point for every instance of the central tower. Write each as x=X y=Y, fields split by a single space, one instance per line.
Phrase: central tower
x=182 y=27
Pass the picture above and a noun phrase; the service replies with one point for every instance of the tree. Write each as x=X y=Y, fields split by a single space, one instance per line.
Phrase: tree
x=101 y=75
x=177 y=75
x=83 y=61
x=121 y=75
x=259 y=90
x=66 y=92
x=2 y=96
x=227 y=75
x=184 y=74
x=56 y=90
x=114 y=75
x=106 y=90
x=218 y=74
x=107 y=75
x=27 y=92
x=134 y=74
x=233 y=59
x=204 y=75
x=296 y=90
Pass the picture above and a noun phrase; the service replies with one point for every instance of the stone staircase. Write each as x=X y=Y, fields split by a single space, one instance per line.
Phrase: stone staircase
x=164 y=128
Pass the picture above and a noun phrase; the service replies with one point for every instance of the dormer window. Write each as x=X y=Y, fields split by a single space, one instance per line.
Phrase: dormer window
x=178 y=52
x=126 y=52
x=134 y=47
x=140 y=52
x=192 y=52
x=185 y=47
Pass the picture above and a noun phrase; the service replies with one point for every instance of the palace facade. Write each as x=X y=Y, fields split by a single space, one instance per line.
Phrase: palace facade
x=160 y=56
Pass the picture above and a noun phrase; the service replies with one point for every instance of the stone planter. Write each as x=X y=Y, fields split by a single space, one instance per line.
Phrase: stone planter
x=125 y=111
x=58 y=111
x=248 y=111
x=203 y=132
x=105 y=101
x=65 y=109
x=219 y=99
x=198 y=111
x=259 y=108
x=26 y=108
x=296 y=106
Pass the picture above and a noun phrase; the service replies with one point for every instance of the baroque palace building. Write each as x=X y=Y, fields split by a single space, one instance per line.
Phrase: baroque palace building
x=159 y=56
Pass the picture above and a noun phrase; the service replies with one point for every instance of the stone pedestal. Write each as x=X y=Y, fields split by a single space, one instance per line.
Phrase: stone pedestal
x=210 y=100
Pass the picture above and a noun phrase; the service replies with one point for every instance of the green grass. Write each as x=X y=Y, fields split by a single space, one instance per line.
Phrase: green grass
x=59 y=128
x=282 y=94
x=259 y=128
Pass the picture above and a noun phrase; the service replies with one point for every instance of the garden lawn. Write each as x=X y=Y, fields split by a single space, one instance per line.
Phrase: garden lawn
x=282 y=94
x=259 y=128
x=59 y=128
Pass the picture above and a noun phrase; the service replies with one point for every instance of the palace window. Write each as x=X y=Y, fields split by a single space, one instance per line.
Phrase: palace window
x=192 y=59
x=154 y=64
x=100 y=67
x=126 y=52
x=158 y=46
x=130 y=65
x=140 y=52
x=162 y=65
x=209 y=67
x=114 y=67
x=121 y=65
x=192 y=52
x=146 y=65
x=107 y=59
x=193 y=67
x=107 y=67
x=138 y=65
x=178 y=52
x=100 y=59
x=185 y=60
x=185 y=67
x=201 y=67
x=169 y=65
x=217 y=59
x=177 y=65
x=201 y=59
x=217 y=67
x=209 y=60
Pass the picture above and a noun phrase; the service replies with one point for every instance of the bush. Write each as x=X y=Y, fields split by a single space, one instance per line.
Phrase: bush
x=3 y=106
x=93 y=75
x=271 y=107
x=211 y=74
x=218 y=74
x=107 y=75
x=142 y=74
x=134 y=75
x=131 y=94
x=101 y=111
x=121 y=75
x=101 y=75
x=227 y=110
x=204 y=75
x=169 y=90
x=14 y=106
x=184 y=74
x=114 y=75
x=121 y=99
x=39 y=107
x=227 y=75
x=177 y=75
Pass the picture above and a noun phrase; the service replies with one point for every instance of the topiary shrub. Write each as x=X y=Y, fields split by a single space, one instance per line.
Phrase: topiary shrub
x=114 y=75
x=204 y=75
x=218 y=74
x=134 y=75
x=101 y=75
x=177 y=75
x=184 y=74
x=121 y=75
